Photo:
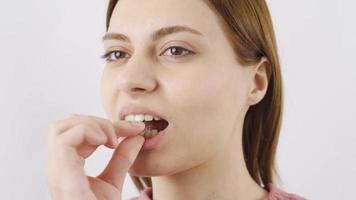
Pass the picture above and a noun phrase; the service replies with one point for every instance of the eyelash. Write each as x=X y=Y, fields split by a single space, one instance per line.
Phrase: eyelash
x=107 y=55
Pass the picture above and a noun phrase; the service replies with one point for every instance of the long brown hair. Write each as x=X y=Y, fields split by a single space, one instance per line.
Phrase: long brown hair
x=248 y=26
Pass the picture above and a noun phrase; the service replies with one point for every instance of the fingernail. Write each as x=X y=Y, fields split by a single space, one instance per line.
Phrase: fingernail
x=139 y=125
x=116 y=143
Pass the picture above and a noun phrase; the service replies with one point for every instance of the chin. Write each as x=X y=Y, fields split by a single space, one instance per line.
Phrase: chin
x=150 y=169
x=144 y=172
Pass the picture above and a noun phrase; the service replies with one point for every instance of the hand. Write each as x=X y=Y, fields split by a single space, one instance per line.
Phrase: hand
x=74 y=139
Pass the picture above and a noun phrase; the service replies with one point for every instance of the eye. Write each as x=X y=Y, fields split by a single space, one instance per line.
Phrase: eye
x=112 y=56
x=177 y=51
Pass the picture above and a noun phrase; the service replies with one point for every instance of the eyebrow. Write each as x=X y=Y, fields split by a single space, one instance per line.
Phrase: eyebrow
x=154 y=36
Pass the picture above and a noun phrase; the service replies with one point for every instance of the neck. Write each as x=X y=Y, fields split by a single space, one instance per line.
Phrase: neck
x=225 y=176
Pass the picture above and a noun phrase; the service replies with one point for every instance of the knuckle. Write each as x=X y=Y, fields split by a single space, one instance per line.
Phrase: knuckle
x=103 y=138
x=74 y=115
x=83 y=128
x=54 y=127
x=80 y=129
x=60 y=141
x=82 y=118
x=111 y=128
x=71 y=117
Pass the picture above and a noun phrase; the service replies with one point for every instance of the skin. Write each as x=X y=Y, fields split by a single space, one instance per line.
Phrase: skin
x=75 y=138
x=204 y=97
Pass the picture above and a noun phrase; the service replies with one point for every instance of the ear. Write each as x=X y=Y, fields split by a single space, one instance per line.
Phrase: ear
x=259 y=81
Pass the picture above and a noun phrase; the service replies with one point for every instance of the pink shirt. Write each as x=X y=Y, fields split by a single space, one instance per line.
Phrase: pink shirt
x=274 y=194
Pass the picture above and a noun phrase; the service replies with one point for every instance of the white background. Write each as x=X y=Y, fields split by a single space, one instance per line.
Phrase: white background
x=50 y=68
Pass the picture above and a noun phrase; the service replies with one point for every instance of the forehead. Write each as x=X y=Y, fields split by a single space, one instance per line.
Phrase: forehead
x=144 y=16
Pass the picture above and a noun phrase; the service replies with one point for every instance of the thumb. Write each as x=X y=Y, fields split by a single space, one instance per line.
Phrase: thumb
x=121 y=160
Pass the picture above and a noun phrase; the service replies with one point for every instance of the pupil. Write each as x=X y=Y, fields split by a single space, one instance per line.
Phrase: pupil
x=175 y=50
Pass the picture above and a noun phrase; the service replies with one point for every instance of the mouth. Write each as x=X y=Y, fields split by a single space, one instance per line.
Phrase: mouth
x=154 y=127
x=154 y=122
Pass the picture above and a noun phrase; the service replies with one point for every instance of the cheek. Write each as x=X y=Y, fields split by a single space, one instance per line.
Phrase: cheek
x=197 y=93
x=200 y=107
x=106 y=95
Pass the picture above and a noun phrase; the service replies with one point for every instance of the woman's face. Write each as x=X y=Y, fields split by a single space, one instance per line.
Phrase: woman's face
x=202 y=94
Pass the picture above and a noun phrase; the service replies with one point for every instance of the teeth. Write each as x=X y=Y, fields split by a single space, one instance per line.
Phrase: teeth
x=147 y=133
x=148 y=118
x=140 y=117
x=130 y=118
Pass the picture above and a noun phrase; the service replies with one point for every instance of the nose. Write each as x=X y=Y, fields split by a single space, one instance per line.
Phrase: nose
x=136 y=77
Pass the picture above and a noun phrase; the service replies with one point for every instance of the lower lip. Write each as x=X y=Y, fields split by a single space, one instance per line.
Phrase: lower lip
x=152 y=142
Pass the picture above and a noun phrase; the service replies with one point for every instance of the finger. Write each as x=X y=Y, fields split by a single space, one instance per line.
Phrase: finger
x=82 y=138
x=118 y=129
x=113 y=130
x=121 y=160
x=82 y=134
x=70 y=121
x=124 y=128
x=62 y=126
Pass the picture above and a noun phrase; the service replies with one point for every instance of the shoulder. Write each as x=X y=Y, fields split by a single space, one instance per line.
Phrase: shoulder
x=276 y=193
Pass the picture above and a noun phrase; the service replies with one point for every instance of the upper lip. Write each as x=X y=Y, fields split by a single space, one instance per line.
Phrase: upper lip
x=137 y=109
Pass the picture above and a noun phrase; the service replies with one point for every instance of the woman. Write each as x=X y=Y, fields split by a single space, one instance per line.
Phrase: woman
x=205 y=76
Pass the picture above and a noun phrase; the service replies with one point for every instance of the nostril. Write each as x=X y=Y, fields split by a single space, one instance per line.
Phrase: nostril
x=137 y=89
x=157 y=124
